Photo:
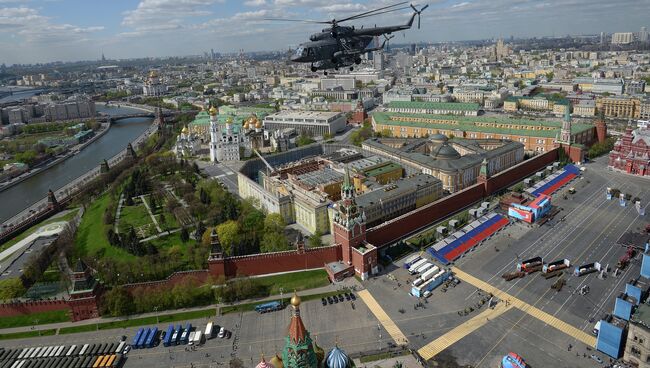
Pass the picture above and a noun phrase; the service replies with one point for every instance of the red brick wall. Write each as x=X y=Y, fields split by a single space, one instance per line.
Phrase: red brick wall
x=260 y=264
x=84 y=309
x=172 y=280
x=17 y=309
x=399 y=227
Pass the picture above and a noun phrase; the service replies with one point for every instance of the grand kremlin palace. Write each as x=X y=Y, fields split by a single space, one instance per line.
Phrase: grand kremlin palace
x=536 y=136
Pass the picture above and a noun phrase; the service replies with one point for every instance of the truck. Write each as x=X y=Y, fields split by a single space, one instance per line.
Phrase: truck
x=411 y=260
x=168 y=336
x=513 y=275
x=625 y=258
x=151 y=339
x=143 y=338
x=416 y=265
x=208 y=330
x=190 y=338
x=434 y=282
x=197 y=337
x=586 y=269
x=555 y=266
x=176 y=336
x=186 y=333
x=530 y=265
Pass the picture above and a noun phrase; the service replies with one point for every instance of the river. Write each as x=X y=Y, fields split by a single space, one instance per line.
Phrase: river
x=26 y=193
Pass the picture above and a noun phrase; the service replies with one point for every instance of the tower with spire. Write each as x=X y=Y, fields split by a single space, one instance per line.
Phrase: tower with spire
x=349 y=227
x=214 y=133
x=565 y=132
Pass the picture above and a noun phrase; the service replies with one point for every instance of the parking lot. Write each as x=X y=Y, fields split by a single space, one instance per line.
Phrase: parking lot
x=584 y=231
x=355 y=329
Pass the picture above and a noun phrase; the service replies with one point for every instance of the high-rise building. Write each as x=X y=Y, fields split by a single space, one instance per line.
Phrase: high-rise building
x=602 y=38
x=622 y=38
x=642 y=36
x=378 y=60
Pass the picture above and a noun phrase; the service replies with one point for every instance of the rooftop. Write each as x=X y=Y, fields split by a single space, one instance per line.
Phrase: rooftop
x=641 y=315
x=487 y=124
x=301 y=114
x=434 y=105
x=398 y=187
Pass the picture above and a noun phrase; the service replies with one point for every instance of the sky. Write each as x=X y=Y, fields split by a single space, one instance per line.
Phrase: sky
x=33 y=31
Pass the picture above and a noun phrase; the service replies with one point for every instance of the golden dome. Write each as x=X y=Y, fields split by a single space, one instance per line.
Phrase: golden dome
x=295 y=299
x=276 y=361
x=185 y=130
x=258 y=125
x=246 y=124
x=213 y=111
x=153 y=74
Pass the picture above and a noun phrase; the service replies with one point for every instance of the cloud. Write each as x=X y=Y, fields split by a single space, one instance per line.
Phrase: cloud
x=36 y=28
x=151 y=11
x=255 y=2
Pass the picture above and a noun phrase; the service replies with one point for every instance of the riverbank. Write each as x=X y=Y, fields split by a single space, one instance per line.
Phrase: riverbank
x=49 y=164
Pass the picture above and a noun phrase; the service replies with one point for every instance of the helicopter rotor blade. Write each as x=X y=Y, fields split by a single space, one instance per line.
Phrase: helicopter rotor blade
x=383 y=12
x=299 y=20
x=368 y=13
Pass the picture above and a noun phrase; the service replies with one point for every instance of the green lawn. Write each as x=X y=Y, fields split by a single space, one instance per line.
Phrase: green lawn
x=26 y=334
x=181 y=316
x=91 y=234
x=136 y=216
x=30 y=319
x=169 y=241
x=294 y=281
x=67 y=217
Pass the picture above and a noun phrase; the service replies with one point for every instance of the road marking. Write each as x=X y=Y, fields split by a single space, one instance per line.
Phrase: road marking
x=443 y=342
x=527 y=308
x=383 y=318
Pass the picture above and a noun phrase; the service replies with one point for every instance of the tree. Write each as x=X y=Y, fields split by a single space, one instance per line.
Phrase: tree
x=11 y=288
x=236 y=363
x=315 y=240
x=118 y=302
x=185 y=235
x=274 y=223
x=303 y=140
x=274 y=242
x=229 y=235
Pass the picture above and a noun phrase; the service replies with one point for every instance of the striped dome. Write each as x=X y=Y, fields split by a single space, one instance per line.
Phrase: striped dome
x=337 y=358
x=264 y=364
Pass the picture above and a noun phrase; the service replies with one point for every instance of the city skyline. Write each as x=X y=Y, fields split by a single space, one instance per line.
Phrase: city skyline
x=68 y=30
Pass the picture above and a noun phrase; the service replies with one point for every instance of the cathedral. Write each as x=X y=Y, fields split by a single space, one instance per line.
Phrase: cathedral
x=229 y=142
x=300 y=351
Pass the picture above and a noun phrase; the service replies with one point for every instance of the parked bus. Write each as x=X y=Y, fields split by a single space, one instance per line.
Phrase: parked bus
x=268 y=307
x=411 y=260
x=84 y=349
x=186 y=333
x=151 y=339
x=177 y=335
x=168 y=335
x=120 y=347
x=417 y=265
x=197 y=338
x=143 y=338
x=137 y=336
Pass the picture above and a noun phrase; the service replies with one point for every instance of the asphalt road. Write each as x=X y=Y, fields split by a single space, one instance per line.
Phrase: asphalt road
x=15 y=268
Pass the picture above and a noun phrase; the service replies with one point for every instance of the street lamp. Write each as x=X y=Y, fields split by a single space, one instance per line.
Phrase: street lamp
x=155 y=310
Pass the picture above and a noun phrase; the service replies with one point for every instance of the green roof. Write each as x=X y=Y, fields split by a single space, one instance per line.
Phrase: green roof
x=378 y=170
x=434 y=105
x=470 y=123
x=557 y=101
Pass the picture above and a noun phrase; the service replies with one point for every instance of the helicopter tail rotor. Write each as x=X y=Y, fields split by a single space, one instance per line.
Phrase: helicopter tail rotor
x=418 y=12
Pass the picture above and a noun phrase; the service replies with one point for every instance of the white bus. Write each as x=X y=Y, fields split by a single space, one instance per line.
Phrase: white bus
x=424 y=268
x=120 y=347
x=84 y=349
x=208 y=331
x=197 y=338
x=71 y=350
x=417 y=265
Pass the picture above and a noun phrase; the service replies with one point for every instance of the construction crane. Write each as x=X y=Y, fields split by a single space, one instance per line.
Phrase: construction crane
x=271 y=170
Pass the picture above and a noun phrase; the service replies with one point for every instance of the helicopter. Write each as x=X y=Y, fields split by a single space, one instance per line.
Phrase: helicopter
x=342 y=46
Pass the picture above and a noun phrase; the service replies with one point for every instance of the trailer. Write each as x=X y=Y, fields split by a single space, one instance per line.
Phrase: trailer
x=557 y=265
x=625 y=258
x=424 y=268
x=143 y=338
x=190 y=338
x=84 y=349
x=168 y=335
x=71 y=350
x=586 y=269
x=549 y=275
x=431 y=284
x=411 y=260
x=120 y=347
x=208 y=330
x=530 y=265
x=151 y=339
x=416 y=265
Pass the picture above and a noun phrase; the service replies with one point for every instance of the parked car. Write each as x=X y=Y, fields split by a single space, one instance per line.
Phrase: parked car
x=329 y=300
x=324 y=301
x=335 y=299
x=341 y=298
x=222 y=333
x=347 y=296
x=228 y=334
x=596 y=358
x=126 y=349
x=123 y=338
x=352 y=296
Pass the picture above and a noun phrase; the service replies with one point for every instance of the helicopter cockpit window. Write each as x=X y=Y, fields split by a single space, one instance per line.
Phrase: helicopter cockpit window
x=300 y=51
x=310 y=51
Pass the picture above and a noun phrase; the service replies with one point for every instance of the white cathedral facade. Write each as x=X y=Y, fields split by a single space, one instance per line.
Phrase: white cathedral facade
x=229 y=142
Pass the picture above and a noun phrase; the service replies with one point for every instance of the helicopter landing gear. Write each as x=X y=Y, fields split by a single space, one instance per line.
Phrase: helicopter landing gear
x=313 y=69
x=351 y=68
x=335 y=61
x=324 y=73
x=357 y=61
x=336 y=68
